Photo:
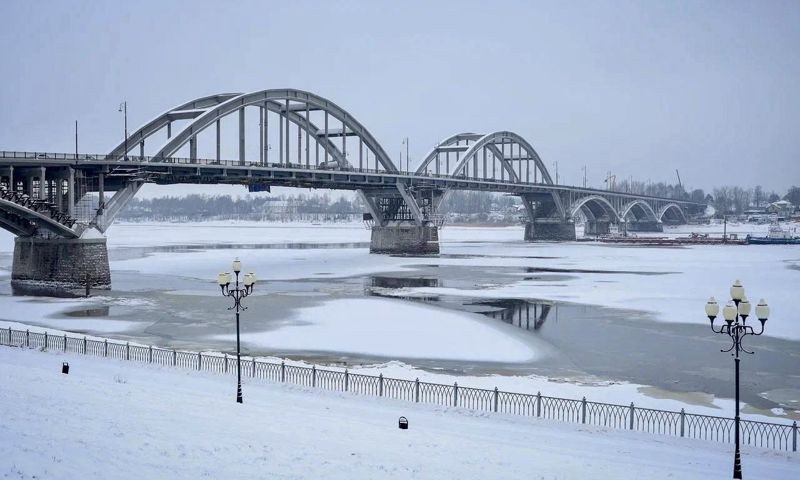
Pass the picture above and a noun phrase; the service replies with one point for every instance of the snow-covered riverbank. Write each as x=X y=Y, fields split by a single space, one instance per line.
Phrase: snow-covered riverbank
x=114 y=419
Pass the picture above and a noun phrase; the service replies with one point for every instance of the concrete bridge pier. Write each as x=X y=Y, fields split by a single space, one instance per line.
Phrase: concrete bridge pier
x=405 y=238
x=598 y=227
x=549 y=230
x=61 y=263
x=645 y=226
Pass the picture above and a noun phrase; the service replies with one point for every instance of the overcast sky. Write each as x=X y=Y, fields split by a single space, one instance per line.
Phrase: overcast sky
x=711 y=88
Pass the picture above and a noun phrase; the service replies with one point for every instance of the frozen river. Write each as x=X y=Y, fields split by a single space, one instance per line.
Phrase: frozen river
x=621 y=320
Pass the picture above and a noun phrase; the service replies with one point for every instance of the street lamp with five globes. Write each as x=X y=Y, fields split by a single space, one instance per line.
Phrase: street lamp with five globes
x=736 y=328
x=237 y=294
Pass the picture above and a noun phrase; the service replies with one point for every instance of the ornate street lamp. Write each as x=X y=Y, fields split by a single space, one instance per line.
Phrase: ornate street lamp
x=736 y=328
x=237 y=294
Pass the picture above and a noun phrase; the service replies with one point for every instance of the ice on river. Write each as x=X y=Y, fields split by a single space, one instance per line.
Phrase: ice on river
x=672 y=283
x=395 y=329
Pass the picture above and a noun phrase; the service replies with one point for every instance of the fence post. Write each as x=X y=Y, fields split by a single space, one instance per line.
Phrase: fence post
x=416 y=390
x=346 y=380
x=174 y=357
x=283 y=371
x=65 y=341
x=314 y=376
x=794 y=436
x=380 y=385
x=254 y=368
x=226 y=363
x=538 y=404
x=199 y=360
x=27 y=338
x=495 y=399
x=105 y=347
x=150 y=354
x=45 y=340
x=9 y=335
x=127 y=351
x=455 y=394
x=631 y=415
x=583 y=410
x=683 y=421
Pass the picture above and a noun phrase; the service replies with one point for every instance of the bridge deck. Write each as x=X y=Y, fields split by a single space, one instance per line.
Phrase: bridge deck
x=208 y=171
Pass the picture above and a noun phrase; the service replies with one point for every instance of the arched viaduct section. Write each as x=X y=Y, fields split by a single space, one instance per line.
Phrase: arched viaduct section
x=60 y=205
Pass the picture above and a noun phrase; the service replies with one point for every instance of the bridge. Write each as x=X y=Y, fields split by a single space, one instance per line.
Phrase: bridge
x=59 y=206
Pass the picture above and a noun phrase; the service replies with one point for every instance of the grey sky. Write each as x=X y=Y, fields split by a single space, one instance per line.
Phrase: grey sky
x=635 y=88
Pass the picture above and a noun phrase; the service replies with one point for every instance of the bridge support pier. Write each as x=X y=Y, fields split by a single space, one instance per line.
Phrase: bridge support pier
x=550 y=231
x=61 y=263
x=645 y=226
x=405 y=239
x=597 y=228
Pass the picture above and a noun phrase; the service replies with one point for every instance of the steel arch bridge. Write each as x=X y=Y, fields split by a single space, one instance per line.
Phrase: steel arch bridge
x=300 y=139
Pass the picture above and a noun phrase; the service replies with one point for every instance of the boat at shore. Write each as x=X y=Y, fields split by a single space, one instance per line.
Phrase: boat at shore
x=775 y=236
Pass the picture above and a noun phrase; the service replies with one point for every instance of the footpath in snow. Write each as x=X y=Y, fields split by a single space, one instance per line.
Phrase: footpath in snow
x=115 y=419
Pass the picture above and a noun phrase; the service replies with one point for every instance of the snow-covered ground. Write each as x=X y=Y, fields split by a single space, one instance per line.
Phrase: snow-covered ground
x=115 y=419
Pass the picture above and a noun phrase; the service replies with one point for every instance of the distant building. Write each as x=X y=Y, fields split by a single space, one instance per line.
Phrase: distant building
x=783 y=208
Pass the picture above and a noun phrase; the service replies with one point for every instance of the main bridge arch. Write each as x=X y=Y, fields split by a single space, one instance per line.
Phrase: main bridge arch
x=294 y=107
x=504 y=156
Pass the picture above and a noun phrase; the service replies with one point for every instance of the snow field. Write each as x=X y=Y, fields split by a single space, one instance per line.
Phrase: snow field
x=113 y=419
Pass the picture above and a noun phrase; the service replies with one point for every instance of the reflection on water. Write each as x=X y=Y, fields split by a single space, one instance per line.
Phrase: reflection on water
x=404 y=282
x=527 y=314
x=520 y=313
x=19 y=289
x=102 y=311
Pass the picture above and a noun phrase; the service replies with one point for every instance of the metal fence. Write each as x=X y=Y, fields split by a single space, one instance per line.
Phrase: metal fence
x=777 y=436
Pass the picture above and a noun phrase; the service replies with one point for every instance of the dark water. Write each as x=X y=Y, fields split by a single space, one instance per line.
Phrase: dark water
x=628 y=346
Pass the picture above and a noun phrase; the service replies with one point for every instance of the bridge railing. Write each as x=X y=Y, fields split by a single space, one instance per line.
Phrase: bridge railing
x=777 y=436
x=43 y=156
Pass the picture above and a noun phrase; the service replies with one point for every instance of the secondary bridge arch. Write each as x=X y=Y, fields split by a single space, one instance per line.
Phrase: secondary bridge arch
x=489 y=156
x=290 y=104
x=674 y=210
x=640 y=209
x=595 y=207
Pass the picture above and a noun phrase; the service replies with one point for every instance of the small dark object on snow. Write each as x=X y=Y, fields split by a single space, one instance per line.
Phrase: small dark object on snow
x=403 y=423
x=65 y=368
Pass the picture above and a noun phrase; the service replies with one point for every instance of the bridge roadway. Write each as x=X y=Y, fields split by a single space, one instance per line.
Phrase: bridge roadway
x=56 y=204
x=171 y=171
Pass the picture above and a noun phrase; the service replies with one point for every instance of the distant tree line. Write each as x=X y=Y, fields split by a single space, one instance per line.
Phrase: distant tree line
x=737 y=200
x=463 y=206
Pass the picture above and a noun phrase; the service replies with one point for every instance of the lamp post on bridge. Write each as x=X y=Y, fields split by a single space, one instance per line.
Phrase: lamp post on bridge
x=736 y=328
x=237 y=294
x=123 y=107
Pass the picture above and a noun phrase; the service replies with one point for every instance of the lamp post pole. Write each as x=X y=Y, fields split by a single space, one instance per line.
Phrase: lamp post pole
x=237 y=294
x=123 y=107
x=736 y=328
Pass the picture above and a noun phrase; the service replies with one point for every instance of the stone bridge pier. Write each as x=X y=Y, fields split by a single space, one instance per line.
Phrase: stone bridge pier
x=402 y=220
x=61 y=263
x=546 y=220
x=550 y=230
